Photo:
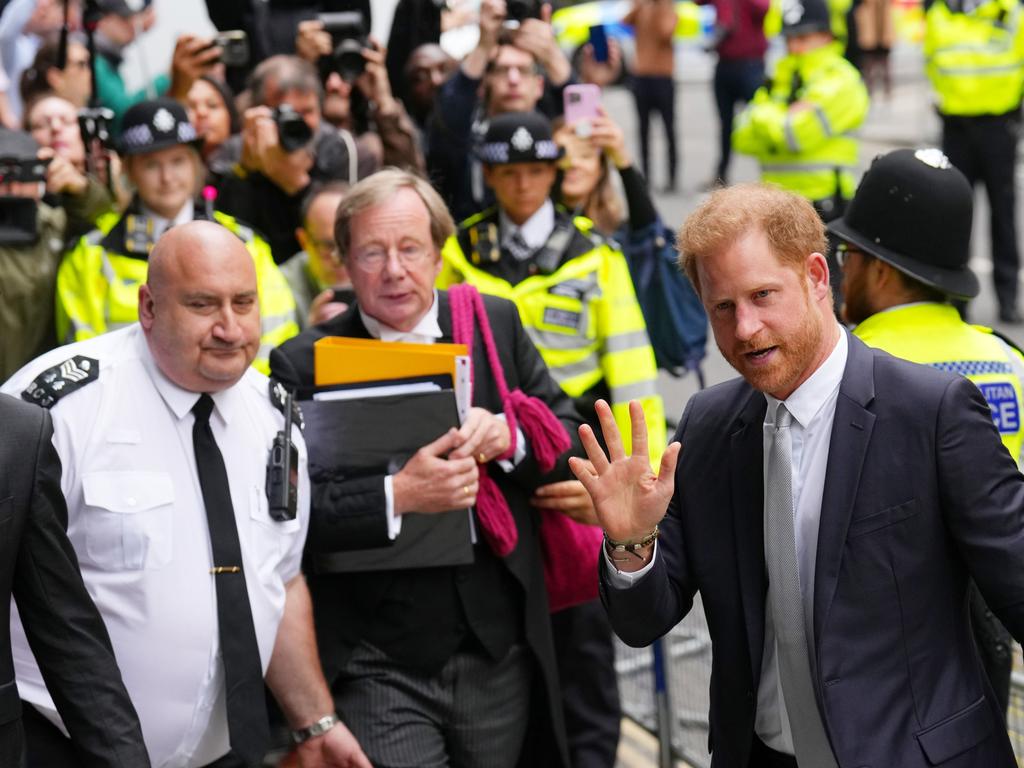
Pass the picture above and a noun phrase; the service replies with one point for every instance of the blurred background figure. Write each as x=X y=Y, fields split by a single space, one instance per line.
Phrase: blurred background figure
x=24 y=26
x=45 y=75
x=316 y=274
x=875 y=36
x=801 y=125
x=740 y=44
x=211 y=108
x=653 y=84
x=423 y=74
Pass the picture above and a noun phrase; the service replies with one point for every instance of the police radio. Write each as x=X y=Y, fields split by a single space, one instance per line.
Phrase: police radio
x=283 y=470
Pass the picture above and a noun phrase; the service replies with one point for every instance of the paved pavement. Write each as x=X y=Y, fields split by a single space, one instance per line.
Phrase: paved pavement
x=906 y=120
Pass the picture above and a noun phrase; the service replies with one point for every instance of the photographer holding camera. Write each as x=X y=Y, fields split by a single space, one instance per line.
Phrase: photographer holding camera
x=357 y=90
x=32 y=236
x=516 y=66
x=285 y=145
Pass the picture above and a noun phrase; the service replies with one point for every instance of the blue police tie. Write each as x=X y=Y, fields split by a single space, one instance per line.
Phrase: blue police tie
x=248 y=729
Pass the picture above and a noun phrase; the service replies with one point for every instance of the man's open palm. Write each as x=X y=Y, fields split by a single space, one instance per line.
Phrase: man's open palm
x=628 y=497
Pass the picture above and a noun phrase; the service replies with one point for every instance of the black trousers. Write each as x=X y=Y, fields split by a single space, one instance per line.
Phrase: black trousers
x=590 y=690
x=984 y=148
x=47 y=747
x=736 y=80
x=656 y=94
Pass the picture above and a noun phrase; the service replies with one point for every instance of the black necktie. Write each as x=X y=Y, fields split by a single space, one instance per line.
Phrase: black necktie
x=248 y=730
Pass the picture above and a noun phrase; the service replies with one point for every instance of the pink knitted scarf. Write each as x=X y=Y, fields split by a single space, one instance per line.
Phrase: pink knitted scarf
x=545 y=433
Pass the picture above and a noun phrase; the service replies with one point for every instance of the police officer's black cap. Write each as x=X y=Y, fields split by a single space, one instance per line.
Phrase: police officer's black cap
x=519 y=137
x=17 y=145
x=156 y=124
x=913 y=210
x=802 y=17
x=123 y=8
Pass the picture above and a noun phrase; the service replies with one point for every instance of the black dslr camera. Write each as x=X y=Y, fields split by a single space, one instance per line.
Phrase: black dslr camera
x=293 y=133
x=518 y=11
x=348 y=38
x=18 y=215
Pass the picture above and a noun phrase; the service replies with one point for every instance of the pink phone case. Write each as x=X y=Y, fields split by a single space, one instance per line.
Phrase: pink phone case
x=581 y=102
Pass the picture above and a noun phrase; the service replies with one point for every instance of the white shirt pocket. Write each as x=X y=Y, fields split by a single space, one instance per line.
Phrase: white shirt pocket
x=128 y=519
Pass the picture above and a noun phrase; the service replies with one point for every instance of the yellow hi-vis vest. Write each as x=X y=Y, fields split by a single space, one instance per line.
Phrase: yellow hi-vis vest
x=934 y=334
x=800 y=126
x=98 y=284
x=975 y=60
x=586 y=323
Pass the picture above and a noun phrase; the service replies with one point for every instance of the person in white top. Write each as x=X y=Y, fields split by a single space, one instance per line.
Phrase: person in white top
x=830 y=506
x=127 y=413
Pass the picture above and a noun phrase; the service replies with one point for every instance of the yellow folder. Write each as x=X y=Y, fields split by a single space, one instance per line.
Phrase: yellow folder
x=345 y=360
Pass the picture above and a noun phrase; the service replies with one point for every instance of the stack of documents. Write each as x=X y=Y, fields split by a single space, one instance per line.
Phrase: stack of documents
x=376 y=404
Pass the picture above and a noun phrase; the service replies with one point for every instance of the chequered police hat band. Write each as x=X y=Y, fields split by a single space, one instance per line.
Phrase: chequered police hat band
x=141 y=136
x=498 y=151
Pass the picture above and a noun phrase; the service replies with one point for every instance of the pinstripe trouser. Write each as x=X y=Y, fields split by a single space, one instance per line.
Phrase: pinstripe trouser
x=472 y=714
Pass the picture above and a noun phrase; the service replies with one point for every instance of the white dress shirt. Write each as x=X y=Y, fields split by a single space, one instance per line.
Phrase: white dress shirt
x=813 y=407
x=162 y=224
x=535 y=231
x=138 y=525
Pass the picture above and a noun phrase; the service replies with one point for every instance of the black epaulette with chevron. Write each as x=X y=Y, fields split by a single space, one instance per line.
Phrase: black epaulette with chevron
x=54 y=383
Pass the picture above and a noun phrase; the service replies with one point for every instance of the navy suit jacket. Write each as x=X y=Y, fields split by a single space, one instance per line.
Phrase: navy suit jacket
x=919 y=496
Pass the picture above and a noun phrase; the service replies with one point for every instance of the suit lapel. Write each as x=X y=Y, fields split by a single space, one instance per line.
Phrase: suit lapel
x=746 y=450
x=851 y=434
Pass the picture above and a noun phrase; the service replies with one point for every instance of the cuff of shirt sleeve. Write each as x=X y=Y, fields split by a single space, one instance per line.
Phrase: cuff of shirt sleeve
x=507 y=465
x=394 y=521
x=622 y=579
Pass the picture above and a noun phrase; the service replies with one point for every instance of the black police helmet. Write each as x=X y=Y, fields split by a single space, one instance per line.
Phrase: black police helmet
x=913 y=210
x=123 y=8
x=518 y=137
x=156 y=124
x=801 y=17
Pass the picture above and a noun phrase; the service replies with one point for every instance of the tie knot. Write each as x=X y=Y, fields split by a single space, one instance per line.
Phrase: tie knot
x=203 y=407
x=783 y=418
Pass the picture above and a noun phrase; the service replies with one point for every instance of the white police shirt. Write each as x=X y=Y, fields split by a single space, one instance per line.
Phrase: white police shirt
x=138 y=525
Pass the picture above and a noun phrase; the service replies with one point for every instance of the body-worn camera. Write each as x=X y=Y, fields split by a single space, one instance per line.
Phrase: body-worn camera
x=518 y=11
x=282 y=482
x=234 y=47
x=293 y=132
x=348 y=38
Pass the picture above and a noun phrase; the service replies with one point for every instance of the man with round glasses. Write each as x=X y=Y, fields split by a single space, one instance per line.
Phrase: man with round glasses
x=451 y=664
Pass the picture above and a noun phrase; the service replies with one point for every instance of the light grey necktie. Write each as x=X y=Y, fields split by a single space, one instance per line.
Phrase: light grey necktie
x=516 y=245
x=810 y=741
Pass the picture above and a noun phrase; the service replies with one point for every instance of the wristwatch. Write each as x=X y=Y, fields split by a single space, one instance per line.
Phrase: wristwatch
x=319 y=728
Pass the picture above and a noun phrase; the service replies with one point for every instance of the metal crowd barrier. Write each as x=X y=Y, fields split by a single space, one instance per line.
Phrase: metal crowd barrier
x=673 y=690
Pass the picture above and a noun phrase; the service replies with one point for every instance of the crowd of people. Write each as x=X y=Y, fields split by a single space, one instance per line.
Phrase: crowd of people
x=198 y=584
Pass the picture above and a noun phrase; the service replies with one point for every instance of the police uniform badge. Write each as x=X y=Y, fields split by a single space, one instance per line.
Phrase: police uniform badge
x=60 y=380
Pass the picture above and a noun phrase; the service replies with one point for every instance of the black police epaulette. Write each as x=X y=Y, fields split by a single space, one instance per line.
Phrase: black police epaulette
x=278 y=396
x=54 y=383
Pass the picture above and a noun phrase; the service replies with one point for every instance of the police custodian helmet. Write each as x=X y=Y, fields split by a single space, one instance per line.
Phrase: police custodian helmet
x=913 y=210
x=518 y=137
x=156 y=124
x=802 y=17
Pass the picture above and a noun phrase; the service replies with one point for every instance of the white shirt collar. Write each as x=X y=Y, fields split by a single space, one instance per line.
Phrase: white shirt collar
x=809 y=398
x=179 y=400
x=161 y=225
x=535 y=231
x=426 y=331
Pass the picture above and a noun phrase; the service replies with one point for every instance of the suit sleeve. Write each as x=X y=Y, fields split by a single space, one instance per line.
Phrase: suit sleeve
x=345 y=513
x=661 y=599
x=67 y=633
x=982 y=494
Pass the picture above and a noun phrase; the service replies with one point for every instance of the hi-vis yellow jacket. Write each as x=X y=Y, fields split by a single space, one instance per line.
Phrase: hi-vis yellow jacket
x=801 y=124
x=975 y=60
x=581 y=313
x=934 y=334
x=98 y=282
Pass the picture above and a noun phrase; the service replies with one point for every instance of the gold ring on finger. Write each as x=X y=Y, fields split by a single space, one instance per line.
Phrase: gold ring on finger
x=482 y=458
x=465 y=490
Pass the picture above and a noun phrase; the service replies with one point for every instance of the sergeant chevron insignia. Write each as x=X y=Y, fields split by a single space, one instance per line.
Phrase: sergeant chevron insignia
x=60 y=380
